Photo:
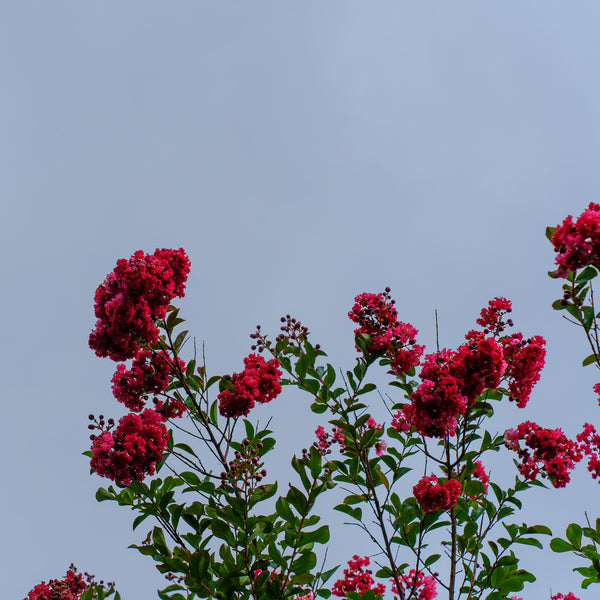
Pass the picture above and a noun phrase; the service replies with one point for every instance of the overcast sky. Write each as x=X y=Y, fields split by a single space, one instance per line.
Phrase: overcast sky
x=301 y=153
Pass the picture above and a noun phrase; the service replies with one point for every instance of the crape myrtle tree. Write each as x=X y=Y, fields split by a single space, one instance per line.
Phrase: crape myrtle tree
x=221 y=527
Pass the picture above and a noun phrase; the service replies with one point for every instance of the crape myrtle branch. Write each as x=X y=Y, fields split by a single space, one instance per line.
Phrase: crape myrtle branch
x=449 y=402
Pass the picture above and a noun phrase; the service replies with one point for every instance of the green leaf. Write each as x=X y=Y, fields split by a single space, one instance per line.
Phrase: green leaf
x=558 y=545
x=139 y=519
x=320 y=535
x=249 y=429
x=588 y=317
x=589 y=360
x=550 y=232
x=179 y=340
x=574 y=535
x=103 y=494
x=305 y=563
x=213 y=413
x=587 y=274
x=530 y=542
x=158 y=539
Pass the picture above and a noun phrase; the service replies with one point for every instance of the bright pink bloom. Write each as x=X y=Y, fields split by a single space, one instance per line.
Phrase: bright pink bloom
x=432 y=495
x=356 y=579
x=258 y=382
x=547 y=451
x=435 y=405
x=135 y=294
x=492 y=316
x=589 y=443
x=69 y=588
x=597 y=391
x=149 y=374
x=378 y=318
x=422 y=586
x=578 y=244
x=478 y=365
x=132 y=450
x=399 y=422
x=569 y=596
x=525 y=361
x=339 y=437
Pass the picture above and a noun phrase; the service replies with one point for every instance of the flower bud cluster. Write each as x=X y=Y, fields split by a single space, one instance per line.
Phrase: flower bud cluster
x=293 y=331
x=246 y=466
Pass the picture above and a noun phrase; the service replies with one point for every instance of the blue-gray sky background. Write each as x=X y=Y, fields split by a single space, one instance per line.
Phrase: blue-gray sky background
x=301 y=153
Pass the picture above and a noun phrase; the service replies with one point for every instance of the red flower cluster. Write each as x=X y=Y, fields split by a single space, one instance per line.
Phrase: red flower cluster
x=492 y=317
x=258 y=382
x=546 y=450
x=569 y=596
x=478 y=365
x=525 y=360
x=132 y=297
x=436 y=402
x=356 y=579
x=453 y=380
x=432 y=495
x=132 y=450
x=589 y=443
x=149 y=374
x=578 y=244
x=422 y=586
x=378 y=318
x=69 y=588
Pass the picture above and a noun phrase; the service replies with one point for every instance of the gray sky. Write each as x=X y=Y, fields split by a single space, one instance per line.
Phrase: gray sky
x=301 y=153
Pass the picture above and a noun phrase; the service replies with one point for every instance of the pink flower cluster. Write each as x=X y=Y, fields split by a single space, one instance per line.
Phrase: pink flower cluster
x=258 y=382
x=525 y=360
x=149 y=374
x=492 y=317
x=324 y=442
x=578 y=244
x=135 y=294
x=356 y=579
x=569 y=596
x=378 y=318
x=453 y=379
x=547 y=451
x=589 y=442
x=132 y=450
x=69 y=588
x=422 y=586
x=432 y=495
